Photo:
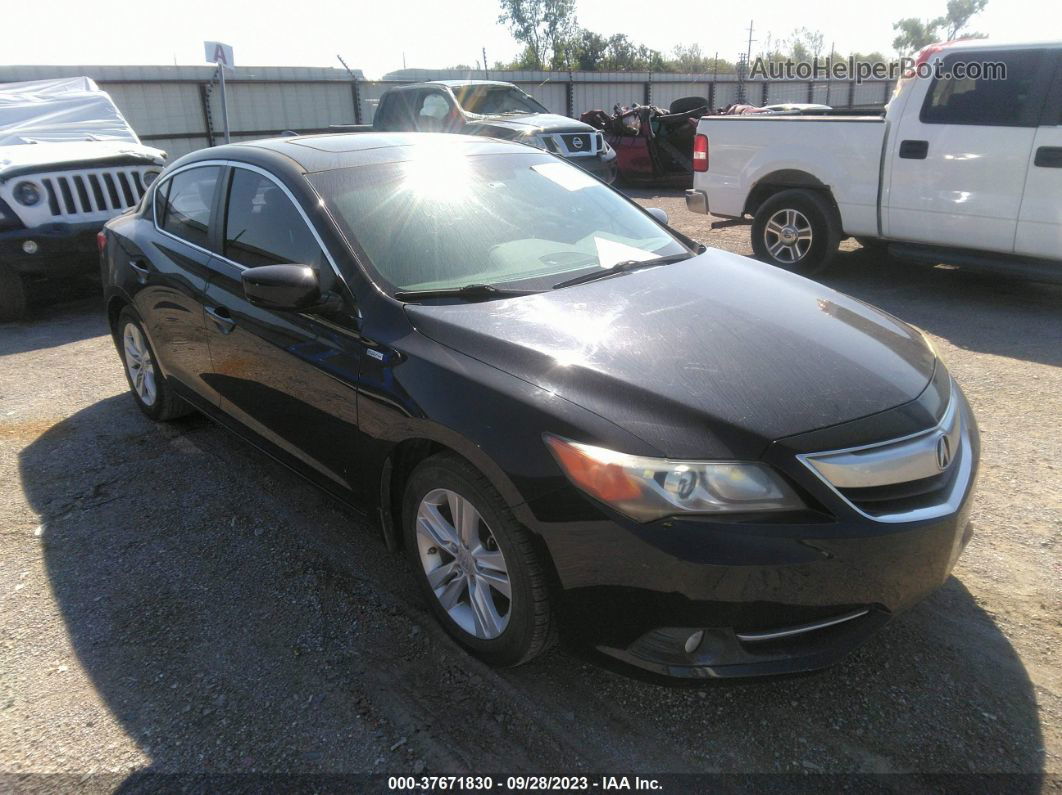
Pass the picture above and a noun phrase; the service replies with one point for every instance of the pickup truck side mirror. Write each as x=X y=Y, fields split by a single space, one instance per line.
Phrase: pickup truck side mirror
x=658 y=214
x=292 y=288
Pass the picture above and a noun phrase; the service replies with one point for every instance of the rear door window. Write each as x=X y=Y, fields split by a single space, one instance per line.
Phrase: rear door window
x=1001 y=89
x=185 y=201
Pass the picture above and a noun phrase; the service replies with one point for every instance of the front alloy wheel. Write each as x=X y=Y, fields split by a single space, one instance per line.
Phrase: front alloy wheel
x=479 y=568
x=464 y=566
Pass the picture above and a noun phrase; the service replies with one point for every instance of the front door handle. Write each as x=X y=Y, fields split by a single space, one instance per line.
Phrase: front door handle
x=914 y=150
x=221 y=318
x=1048 y=157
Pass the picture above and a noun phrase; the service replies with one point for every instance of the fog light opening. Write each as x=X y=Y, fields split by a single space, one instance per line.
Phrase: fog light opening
x=694 y=640
x=30 y=246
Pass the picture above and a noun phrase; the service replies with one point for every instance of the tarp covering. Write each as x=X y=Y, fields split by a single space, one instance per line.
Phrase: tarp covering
x=68 y=109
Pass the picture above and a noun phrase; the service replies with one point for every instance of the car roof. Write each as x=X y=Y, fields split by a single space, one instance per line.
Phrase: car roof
x=327 y=151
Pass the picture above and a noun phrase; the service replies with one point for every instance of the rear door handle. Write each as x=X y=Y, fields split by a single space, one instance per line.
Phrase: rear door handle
x=914 y=150
x=1048 y=157
x=140 y=269
x=221 y=318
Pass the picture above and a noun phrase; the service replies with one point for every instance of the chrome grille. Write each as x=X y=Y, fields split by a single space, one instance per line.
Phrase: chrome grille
x=92 y=194
x=904 y=479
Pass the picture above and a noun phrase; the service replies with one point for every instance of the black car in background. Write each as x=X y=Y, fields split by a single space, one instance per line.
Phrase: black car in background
x=570 y=416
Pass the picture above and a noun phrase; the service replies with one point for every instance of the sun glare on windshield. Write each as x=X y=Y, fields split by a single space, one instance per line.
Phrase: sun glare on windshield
x=439 y=171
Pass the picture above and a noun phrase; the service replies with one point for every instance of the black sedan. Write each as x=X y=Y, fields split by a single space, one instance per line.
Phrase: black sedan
x=570 y=416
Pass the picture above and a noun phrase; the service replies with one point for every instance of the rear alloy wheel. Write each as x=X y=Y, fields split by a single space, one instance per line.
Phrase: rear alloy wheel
x=796 y=230
x=151 y=390
x=477 y=566
x=12 y=295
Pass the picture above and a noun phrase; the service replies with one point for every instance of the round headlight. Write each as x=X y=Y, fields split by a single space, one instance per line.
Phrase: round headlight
x=149 y=177
x=27 y=193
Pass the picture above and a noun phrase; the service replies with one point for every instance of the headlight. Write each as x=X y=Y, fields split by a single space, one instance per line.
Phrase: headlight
x=533 y=140
x=27 y=193
x=651 y=488
x=149 y=177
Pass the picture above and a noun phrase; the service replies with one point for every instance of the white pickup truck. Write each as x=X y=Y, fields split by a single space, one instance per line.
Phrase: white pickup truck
x=963 y=168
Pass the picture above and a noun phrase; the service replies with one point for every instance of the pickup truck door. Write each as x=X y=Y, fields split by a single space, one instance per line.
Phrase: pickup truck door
x=958 y=156
x=1040 y=219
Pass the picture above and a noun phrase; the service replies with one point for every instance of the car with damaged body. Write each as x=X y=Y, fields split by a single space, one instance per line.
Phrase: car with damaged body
x=69 y=161
x=574 y=419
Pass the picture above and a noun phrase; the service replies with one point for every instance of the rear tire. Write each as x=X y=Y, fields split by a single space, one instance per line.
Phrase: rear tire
x=797 y=230
x=151 y=390
x=12 y=295
x=468 y=551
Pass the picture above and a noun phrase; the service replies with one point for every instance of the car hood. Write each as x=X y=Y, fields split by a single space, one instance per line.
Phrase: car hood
x=533 y=122
x=26 y=158
x=715 y=356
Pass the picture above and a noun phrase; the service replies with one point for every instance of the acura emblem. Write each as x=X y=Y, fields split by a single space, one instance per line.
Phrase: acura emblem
x=577 y=143
x=943 y=453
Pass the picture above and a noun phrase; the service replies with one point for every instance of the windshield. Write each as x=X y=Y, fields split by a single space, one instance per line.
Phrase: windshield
x=444 y=220
x=495 y=100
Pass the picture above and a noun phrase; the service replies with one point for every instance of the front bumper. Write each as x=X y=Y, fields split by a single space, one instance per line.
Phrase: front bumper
x=700 y=597
x=603 y=169
x=61 y=249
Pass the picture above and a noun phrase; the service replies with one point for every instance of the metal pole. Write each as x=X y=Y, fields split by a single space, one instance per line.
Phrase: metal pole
x=224 y=104
x=486 y=69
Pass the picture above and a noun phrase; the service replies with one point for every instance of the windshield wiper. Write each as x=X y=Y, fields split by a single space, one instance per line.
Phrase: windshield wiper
x=468 y=291
x=623 y=267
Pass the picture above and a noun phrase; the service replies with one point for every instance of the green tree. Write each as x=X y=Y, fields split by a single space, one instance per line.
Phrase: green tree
x=688 y=58
x=804 y=44
x=959 y=14
x=913 y=34
x=540 y=25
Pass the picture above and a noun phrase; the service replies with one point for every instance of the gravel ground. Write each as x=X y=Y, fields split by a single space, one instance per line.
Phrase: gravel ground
x=173 y=601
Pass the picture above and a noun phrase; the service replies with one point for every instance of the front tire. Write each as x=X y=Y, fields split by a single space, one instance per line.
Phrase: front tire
x=151 y=391
x=12 y=295
x=797 y=230
x=476 y=565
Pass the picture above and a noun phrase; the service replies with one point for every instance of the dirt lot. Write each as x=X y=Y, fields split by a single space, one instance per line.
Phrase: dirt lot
x=173 y=601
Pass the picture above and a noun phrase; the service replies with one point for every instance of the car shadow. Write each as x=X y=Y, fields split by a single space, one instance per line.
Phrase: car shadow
x=990 y=313
x=232 y=618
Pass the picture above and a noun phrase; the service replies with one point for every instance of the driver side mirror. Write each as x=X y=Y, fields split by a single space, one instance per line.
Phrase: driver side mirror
x=658 y=214
x=292 y=288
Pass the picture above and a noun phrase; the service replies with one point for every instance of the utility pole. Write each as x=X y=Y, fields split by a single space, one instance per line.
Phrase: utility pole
x=486 y=73
x=748 y=54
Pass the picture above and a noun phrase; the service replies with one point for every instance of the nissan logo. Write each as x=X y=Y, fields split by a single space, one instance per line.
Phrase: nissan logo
x=943 y=452
x=577 y=143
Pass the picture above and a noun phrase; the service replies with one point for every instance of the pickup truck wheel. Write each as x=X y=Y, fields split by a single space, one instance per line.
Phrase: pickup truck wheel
x=12 y=295
x=796 y=230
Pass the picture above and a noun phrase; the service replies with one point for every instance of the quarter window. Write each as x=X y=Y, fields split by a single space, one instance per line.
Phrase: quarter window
x=185 y=201
x=262 y=226
x=985 y=98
